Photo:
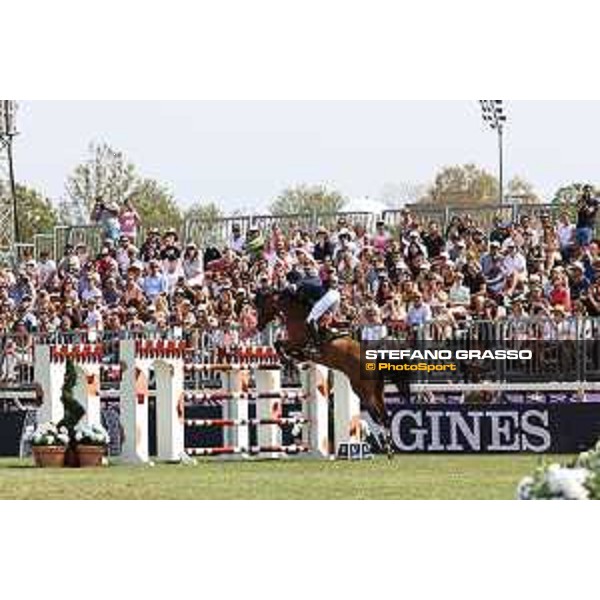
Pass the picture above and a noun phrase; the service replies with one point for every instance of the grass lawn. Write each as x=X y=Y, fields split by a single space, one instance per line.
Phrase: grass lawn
x=406 y=477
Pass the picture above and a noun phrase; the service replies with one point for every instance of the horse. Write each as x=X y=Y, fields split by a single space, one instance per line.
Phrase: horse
x=339 y=351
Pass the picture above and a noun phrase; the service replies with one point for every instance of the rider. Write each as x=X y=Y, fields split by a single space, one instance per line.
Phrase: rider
x=328 y=301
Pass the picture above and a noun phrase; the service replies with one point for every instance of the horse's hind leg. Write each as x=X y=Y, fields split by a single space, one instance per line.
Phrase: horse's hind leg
x=376 y=408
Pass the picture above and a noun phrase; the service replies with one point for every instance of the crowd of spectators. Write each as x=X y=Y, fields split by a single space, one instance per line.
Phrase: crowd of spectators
x=391 y=280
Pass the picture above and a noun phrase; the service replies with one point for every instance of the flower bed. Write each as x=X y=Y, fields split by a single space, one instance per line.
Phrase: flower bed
x=578 y=481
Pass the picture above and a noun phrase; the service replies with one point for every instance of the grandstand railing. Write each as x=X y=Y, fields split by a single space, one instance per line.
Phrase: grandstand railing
x=570 y=350
x=217 y=231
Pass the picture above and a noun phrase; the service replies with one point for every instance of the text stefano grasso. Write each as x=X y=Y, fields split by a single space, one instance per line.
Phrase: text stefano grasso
x=408 y=354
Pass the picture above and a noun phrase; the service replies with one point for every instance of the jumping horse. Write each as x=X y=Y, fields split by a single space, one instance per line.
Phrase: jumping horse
x=339 y=351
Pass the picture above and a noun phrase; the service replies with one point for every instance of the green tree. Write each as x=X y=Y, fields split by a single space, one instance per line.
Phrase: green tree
x=462 y=185
x=521 y=191
x=396 y=195
x=106 y=174
x=305 y=199
x=568 y=194
x=155 y=204
x=35 y=212
x=208 y=211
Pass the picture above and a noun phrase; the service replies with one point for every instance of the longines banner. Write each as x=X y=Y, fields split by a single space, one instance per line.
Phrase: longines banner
x=11 y=427
x=561 y=428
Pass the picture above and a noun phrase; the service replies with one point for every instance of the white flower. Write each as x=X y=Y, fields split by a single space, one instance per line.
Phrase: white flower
x=524 y=488
x=572 y=483
x=553 y=478
x=50 y=440
x=567 y=483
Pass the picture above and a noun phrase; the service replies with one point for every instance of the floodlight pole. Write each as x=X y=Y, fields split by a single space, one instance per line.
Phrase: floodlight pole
x=13 y=188
x=7 y=133
x=492 y=112
x=501 y=162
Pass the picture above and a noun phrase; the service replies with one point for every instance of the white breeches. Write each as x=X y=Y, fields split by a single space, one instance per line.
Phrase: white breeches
x=327 y=302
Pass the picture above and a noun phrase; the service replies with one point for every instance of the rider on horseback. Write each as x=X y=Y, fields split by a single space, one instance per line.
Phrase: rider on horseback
x=327 y=299
x=317 y=297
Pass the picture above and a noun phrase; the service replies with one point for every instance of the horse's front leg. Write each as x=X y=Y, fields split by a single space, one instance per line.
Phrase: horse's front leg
x=283 y=349
x=288 y=351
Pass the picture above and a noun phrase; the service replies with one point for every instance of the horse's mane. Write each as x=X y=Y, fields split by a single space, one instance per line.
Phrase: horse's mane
x=292 y=301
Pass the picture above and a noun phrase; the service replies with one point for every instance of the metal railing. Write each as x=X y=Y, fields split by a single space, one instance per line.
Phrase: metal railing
x=562 y=350
x=217 y=231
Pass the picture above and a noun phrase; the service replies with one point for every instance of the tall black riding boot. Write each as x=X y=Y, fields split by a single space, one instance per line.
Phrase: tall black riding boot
x=314 y=332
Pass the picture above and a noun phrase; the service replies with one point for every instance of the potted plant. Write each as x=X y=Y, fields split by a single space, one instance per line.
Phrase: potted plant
x=49 y=444
x=91 y=442
x=73 y=412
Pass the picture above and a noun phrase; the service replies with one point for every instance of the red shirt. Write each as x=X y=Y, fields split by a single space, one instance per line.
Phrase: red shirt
x=560 y=296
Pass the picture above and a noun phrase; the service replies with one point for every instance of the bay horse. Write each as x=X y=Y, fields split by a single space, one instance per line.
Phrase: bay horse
x=340 y=352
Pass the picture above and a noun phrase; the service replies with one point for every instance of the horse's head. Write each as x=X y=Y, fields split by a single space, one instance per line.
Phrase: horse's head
x=267 y=307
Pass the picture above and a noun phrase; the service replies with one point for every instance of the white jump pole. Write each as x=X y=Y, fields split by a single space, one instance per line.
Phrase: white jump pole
x=50 y=375
x=134 y=407
x=346 y=406
x=268 y=381
x=315 y=406
x=235 y=408
x=170 y=444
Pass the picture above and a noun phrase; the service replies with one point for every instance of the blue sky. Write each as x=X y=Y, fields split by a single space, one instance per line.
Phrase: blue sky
x=241 y=154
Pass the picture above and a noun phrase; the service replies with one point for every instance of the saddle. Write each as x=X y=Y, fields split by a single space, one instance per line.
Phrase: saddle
x=334 y=329
x=328 y=331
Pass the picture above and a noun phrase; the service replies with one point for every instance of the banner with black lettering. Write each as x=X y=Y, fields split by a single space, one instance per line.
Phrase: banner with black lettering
x=560 y=428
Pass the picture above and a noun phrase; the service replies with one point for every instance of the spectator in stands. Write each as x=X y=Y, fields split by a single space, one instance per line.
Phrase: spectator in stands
x=559 y=294
x=587 y=209
x=515 y=267
x=579 y=283
x=433 y=240
x=566 y=234
x=236 y=241
x=129 y=221
x=419 y=312
x=154 y=283
x=381 y=237
x=192 y=265
x=372 y=328
x=323 y=247
x=151 y=247
x=459 y=296
x=411 y=275
x=106 y=214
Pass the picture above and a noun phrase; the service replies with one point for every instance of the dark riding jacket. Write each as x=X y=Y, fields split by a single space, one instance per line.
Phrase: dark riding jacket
x=311 y=289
